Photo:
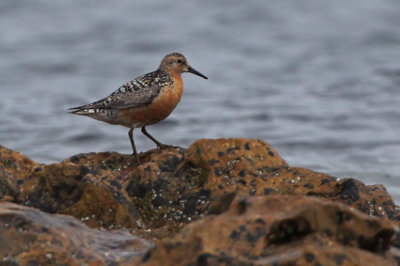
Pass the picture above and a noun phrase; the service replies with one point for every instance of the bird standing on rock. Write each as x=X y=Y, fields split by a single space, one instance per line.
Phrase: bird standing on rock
x=144 y=101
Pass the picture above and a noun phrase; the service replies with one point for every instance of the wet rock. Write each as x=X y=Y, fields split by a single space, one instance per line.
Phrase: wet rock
x=14 y=167
x=86 y=191
x=172 y=187
x=31 y=237
x=252 y=167
x=211 y=186
x=260 y=231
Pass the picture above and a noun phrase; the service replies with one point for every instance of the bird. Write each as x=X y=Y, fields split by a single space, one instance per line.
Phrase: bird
x=143 y=101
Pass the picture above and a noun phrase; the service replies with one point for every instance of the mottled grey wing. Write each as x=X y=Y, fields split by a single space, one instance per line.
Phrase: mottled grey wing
x=138 y=92
x=135 y=93
x=131 y=99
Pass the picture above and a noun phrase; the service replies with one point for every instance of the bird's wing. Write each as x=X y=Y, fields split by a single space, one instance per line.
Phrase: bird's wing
x=131 y=99
x=135 y=93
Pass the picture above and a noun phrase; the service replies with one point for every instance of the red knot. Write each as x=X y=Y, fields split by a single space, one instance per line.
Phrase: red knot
x=144 y=101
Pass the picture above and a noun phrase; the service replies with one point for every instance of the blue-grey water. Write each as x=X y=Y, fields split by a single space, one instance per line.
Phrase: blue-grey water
x=319 y=80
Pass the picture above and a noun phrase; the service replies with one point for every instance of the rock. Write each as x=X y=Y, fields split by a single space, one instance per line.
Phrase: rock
x=14 y=168
x=31 y=237
x=90 y=191
x=279 y=230
x=252 y=167
x=176 y=188
x=172 y=187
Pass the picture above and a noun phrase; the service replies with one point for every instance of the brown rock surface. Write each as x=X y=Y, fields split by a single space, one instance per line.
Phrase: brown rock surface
x=175 y=187
x=31 y=237
x=172 y=187
x=279 y=230
x=13 y=167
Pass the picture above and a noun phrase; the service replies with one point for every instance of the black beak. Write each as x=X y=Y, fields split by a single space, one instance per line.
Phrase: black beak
x=194 y=71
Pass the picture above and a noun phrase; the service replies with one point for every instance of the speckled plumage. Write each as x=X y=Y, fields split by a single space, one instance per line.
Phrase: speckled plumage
x=136 y=93
x=142 y=101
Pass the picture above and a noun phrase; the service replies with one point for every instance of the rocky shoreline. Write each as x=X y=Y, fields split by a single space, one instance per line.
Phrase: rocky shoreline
x=218 y=202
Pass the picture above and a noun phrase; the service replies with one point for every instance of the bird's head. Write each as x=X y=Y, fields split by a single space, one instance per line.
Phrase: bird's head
x=177 y=63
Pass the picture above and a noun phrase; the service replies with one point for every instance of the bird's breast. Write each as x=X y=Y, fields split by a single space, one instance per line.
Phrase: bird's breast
x=168 y=98
x=159 y=109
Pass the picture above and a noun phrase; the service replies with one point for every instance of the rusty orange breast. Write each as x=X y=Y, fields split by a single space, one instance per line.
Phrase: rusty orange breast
x=159 y=109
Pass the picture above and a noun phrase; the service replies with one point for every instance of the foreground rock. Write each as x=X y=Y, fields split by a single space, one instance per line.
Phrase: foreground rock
x=175 y=187
x=260 y=231
x=31 y=237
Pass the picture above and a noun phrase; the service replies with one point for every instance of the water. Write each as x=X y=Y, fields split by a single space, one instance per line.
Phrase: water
x=318 y=80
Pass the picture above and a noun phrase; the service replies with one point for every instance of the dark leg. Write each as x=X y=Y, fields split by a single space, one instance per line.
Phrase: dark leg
x=130 y=134
x=159 y=144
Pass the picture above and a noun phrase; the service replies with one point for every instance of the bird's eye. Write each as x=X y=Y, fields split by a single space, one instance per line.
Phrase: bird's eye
x=179 y=61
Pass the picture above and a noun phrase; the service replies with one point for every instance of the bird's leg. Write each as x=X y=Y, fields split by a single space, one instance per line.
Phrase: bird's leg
x=159 y=144
x=130 y=134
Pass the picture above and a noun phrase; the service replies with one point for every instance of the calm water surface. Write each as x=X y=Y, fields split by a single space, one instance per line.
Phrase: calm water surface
x=320 y=81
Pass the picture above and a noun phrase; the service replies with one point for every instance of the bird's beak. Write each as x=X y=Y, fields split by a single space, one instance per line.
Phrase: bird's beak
x=194 y=71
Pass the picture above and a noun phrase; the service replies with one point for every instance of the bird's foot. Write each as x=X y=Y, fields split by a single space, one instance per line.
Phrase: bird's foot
x=136 y=157
x=165 y=146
